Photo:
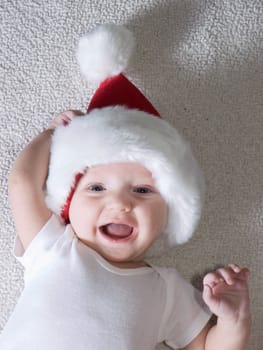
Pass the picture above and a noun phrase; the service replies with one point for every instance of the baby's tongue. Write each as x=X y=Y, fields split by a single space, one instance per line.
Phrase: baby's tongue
x=119 y=230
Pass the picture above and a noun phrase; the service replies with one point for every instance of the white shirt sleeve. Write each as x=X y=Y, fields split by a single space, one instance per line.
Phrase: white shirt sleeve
x=185 y=313
x=41 y=243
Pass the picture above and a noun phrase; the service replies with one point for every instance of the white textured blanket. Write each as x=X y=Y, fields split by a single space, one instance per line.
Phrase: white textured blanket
x=200 y=63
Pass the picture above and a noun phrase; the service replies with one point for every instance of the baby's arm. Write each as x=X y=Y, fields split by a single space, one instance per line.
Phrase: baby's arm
x=226 y=294
x=26 y=182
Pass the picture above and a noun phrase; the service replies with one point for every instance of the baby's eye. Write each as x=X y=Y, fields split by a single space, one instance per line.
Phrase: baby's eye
x=142 y=190
x=96 y=188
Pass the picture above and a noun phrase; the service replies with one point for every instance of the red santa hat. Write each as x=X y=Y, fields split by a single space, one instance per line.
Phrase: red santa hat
x=121 y=125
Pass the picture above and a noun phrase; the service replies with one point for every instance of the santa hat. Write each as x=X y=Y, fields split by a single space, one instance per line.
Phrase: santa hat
x=121 y=125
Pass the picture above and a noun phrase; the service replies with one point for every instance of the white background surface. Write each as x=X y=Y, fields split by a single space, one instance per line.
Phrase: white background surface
x=200 y=63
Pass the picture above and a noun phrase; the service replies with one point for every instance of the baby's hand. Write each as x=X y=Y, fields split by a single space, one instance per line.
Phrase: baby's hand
x=226 y=293
x=64 y=118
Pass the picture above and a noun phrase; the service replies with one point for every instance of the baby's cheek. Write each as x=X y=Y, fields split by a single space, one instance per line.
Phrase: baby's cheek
x=160 y=219
x=163 y=214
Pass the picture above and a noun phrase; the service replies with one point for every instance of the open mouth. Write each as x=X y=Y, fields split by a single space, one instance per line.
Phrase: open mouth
x=116 y=232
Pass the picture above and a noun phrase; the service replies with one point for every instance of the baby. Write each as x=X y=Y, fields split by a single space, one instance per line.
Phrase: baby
x=91 y=196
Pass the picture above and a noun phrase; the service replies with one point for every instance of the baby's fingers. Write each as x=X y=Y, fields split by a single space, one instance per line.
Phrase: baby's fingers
x=233 y=273
x=67 y=116
x=64 y=118
x=240 y=273
x=228 y=274
x=212 y=279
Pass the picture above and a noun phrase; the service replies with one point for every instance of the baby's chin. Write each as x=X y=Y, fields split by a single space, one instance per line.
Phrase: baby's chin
x=122 y=260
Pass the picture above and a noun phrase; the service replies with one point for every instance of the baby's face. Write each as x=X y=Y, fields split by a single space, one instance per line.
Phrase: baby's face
x=117 y=210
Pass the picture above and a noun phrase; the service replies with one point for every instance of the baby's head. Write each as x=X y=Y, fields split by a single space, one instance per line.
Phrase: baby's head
x=117 y=210
x=112 y=135
x=123 y=131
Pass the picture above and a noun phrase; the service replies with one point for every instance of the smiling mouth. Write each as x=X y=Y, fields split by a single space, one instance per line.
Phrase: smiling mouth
x=116 y=232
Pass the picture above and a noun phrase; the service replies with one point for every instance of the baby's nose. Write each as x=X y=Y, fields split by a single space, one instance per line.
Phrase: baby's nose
x=120 y=202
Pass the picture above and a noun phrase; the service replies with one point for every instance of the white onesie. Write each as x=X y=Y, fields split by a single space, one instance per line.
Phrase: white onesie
x=74 y=299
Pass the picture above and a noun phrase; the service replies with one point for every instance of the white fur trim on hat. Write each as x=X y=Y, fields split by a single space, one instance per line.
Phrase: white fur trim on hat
x=104 y=52
x=116 y=134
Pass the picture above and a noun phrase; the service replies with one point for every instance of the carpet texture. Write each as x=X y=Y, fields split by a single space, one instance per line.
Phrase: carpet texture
x=200 y=63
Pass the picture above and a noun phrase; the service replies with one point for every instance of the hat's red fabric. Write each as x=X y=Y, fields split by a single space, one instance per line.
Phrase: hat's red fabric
x=119 y=91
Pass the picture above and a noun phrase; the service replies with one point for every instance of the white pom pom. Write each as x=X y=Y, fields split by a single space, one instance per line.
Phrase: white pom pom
x=104 y=52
